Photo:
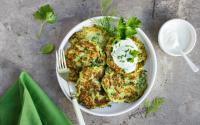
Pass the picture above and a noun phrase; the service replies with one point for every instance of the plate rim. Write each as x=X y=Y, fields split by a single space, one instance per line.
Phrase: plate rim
x=150 y=86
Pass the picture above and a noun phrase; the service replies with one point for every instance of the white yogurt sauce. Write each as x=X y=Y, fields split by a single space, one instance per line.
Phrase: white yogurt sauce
x=185 y=32
x=120 y=55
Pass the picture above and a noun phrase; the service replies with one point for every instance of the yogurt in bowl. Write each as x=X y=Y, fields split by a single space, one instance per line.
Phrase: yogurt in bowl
x=185 y=32
x=150 y=66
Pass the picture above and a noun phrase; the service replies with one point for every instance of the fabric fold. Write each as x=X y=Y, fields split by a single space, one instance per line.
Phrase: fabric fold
x=26 y=104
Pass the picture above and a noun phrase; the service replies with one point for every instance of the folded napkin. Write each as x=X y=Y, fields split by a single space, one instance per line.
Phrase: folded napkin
x=26 y=104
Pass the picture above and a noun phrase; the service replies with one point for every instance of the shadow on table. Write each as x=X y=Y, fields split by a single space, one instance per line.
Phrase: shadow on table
x=9 y=73
x=159 y=15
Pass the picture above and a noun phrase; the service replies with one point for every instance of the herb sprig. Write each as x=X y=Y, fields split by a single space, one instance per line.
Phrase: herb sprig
x=46 y=15
x=120 y=31
x=47 y=48
x=106 y=24
x=153 y=106
x=127 y=29
x=131 y=26
x=133 y=53
x=123 y=29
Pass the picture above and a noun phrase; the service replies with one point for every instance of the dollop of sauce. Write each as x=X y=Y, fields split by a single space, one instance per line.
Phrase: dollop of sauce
x=124 y=54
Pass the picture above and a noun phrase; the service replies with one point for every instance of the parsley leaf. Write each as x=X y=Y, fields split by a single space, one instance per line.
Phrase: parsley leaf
x=47 y=48
x=132 y=24
x=128 y=29
x=133 y=54
x=130 y=59
x=153 y=106
x=121 y=29
x=46 y=15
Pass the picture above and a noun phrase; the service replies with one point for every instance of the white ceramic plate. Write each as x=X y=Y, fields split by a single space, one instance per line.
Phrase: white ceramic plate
x=150 y=66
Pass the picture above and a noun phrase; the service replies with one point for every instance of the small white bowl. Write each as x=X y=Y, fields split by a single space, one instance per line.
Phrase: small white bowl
x=150 y=66
x=185 y=33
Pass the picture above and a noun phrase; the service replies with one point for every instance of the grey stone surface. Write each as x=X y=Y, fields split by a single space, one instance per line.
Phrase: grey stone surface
x=175 y=81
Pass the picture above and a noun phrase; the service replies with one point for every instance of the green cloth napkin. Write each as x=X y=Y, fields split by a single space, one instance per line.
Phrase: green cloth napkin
x=26 y=104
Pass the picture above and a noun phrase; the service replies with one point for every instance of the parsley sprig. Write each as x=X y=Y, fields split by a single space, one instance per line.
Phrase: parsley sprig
x=46 y=15
x=127 y=29
x=120 y=31
x=133 y=53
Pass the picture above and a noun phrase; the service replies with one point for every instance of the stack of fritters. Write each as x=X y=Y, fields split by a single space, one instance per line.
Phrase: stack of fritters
x=98 y=79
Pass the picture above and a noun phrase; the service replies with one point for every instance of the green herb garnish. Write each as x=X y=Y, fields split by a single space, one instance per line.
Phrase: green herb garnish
x=122 y=31
x=106 y=23
x=46 y=15
x=123 y=61
x=153 y=106
x=131 y=26
x=109 y=105
x=133 y=54
x=121 y=56
x=130 y=59
x=47 y=48
x=129 y=46
x=127 y=50
x=127 y=29
x=121 y=28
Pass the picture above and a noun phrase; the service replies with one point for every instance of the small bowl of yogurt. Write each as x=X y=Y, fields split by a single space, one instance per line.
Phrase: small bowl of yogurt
x=185 y=33
x=177 y=37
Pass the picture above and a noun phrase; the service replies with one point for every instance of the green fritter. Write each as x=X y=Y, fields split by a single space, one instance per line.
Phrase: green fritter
x=120 y=88
x=86 y=49
x=84 y=54
x=95 y=35
x=72 y=75
x=142 y=56
x=89 y=90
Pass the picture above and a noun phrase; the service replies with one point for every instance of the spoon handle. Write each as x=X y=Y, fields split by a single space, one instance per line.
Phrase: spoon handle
x=190 y=63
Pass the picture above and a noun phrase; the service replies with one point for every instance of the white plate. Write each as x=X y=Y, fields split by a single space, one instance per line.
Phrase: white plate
x=150 y=66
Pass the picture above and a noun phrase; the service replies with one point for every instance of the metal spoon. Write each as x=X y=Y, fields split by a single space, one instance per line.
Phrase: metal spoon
x=175 y=45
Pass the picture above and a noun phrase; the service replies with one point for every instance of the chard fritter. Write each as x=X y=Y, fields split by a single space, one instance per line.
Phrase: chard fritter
x=89 y=90
x=141 y=57
x=120 y=88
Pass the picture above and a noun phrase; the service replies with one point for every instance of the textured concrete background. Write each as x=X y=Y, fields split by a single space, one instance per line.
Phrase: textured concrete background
x=175 y=81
